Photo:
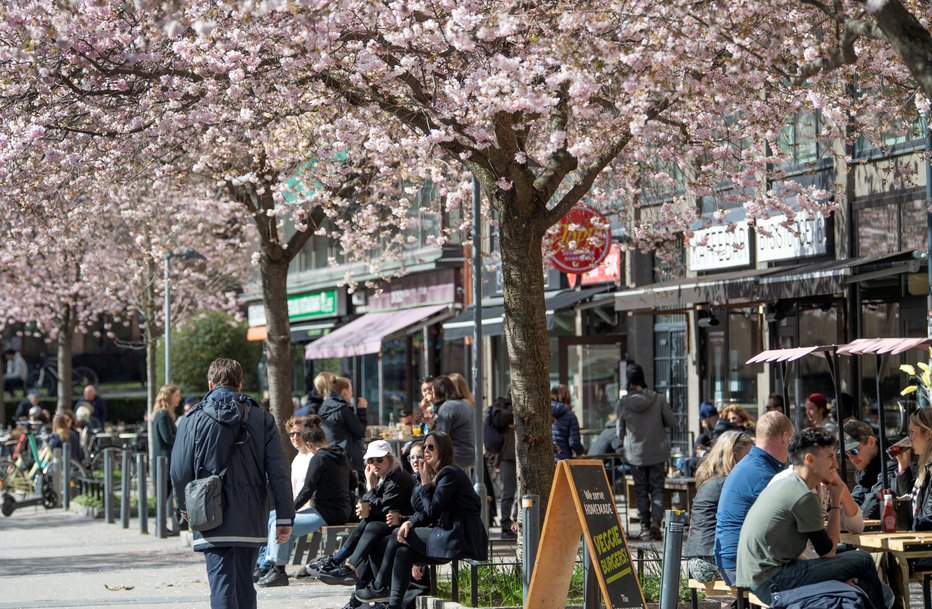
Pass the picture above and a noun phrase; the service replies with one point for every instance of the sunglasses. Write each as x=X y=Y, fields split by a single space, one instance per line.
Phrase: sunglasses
x=415 y=459
x=854 y=452
x=294 y=434
x=372 y=460
x=430 y=447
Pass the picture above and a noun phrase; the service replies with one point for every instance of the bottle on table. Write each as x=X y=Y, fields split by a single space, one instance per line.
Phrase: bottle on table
x=888 y=516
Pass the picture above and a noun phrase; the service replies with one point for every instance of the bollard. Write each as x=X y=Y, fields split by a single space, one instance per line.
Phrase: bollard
x=124 y=491
x=592 y=594
x=530 y=537
x=672 y=554
x=141 y=494
x=161 y=485
x=55 y=480
x=108 y=485
x=66 y=475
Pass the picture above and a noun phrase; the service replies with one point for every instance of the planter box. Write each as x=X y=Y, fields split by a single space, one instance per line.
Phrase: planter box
x=84 y=510
x=430 y=602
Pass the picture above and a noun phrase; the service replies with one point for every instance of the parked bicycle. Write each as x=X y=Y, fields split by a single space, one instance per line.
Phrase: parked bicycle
x=30 y=471
x=44 y=375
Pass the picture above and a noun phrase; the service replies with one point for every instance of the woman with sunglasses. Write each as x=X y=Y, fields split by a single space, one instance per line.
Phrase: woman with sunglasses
x=449 y=503
x=388 y=489
x=328 y=484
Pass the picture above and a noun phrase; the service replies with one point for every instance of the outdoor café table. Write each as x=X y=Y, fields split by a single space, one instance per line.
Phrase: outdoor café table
x=678 y=494
x=904 y=545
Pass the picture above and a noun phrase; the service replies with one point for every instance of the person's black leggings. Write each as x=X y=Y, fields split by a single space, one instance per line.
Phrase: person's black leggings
x=397 y=562
x=350 y=544
x=371 y=533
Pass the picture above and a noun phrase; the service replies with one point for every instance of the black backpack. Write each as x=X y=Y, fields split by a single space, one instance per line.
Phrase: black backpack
x=493 y=438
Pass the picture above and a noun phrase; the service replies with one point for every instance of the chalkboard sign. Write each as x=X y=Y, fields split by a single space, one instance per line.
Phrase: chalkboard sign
x=582 y=502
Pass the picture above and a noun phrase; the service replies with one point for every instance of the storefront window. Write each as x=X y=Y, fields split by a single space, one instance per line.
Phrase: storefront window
x=876 y=225
x=728 y=380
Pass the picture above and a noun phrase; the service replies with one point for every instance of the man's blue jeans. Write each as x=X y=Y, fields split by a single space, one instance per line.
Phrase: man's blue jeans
x=856 y=564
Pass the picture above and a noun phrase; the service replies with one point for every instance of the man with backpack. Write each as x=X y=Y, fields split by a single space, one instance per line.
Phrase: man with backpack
x=499 y=438
x=228 y=436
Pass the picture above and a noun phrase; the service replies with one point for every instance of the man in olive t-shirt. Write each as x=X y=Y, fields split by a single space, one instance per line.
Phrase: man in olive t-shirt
x=787 y=514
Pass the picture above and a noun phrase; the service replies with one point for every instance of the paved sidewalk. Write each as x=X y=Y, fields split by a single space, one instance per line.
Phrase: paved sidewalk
x=58 y=559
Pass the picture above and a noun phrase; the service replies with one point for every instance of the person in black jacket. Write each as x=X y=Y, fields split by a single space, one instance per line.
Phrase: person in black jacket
x=315 y=397
x=228 y=431
x=503 y=417
x=328 y=484
x=863 y=452
x=388 y=489
x=345 y=425
x=452 y=506
x=163 y=423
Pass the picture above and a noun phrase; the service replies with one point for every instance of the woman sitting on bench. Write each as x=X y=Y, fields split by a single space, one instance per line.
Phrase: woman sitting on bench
x=328 y=484
x=388 y=489
x=448 y=502
x=727 y=450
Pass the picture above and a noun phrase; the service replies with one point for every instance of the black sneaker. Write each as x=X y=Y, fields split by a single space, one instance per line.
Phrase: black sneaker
x=258 y=573
x=644 y=535
x=341 y=576
x=655 y=533
x=371 y=594
x=320 y=565
x=352 y=603
x=275 y=577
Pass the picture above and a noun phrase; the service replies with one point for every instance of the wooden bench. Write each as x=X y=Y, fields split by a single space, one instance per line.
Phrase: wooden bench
x=924 y=578
x=328 y=537
x=743 y=596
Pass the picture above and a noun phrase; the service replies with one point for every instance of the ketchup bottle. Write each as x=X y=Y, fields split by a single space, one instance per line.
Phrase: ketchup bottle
x=888 y=517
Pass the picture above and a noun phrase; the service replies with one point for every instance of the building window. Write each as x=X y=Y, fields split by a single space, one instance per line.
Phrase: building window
x=890 y=227
x=670 y=370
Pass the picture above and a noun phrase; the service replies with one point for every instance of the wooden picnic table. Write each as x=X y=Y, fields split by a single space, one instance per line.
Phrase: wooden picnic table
x=904 y=545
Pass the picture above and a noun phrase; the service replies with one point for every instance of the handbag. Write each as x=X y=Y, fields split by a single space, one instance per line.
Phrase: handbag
x=203 y=497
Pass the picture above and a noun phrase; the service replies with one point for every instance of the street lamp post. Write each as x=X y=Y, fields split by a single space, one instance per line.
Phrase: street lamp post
x=188 y=254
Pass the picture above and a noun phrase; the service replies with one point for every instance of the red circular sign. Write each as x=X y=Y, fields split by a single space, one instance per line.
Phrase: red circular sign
x=580 y=240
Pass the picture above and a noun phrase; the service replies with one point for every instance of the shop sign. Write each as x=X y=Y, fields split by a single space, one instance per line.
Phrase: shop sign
x=300 y=307
x=438 y=287
x=580 y=240
x=312 y=306
x=810 y=238
x=719 y=247
x=609 y=270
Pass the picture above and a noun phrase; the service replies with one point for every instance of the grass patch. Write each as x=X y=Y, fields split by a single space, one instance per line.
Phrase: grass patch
x=93 y=501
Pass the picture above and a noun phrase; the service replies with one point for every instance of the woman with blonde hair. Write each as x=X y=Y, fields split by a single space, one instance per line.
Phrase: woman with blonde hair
x=163 y=423
x=63 y=431
x=920 y=435
x=462 y=388
x=726 y=451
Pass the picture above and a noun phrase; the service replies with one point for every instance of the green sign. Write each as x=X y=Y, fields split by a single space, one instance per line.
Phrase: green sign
x=312 y=306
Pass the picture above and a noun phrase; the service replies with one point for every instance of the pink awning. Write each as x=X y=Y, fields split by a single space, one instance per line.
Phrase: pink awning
x=882 y=346
x=783 y=355
x=364 y=335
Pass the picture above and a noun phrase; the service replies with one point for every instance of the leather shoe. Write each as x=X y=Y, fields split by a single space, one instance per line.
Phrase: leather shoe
x=275 y=577
x=371 y=594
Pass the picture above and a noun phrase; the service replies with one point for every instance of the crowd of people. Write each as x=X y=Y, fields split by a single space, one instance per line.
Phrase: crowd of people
x=770 y=504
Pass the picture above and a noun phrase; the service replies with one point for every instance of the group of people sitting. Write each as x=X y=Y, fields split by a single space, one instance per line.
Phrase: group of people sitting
x=404 y=522
x=759 y=523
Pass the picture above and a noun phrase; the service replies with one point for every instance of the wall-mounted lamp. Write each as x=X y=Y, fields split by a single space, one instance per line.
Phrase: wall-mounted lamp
x=707 y=320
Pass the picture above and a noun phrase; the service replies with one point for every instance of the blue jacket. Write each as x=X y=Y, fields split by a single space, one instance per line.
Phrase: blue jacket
x=345 y=428
x=203 y=447
x=742 y=486
x=824 y=595
x=565 y=431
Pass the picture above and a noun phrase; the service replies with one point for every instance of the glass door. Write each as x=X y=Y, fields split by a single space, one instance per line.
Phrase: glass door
x=589 y=365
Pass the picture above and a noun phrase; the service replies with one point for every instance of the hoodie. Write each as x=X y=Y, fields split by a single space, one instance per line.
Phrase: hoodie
x=565 y=431
x=204 y=447
x=642 y=417
x=345 y=428
x=328 y=483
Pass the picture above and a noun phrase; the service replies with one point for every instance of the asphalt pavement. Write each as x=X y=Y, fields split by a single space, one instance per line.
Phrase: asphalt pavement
x=58 y=559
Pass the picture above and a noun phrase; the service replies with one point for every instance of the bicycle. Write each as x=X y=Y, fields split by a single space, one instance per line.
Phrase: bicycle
x=29 y=470
x=44 y=375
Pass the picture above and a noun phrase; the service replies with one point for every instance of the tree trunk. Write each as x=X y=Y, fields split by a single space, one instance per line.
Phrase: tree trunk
x=3 y=394
x=274 y=269
x=528 y=347
x=65 y=336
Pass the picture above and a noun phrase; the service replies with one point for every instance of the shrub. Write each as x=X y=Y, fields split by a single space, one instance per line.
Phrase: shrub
x=203 y=339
